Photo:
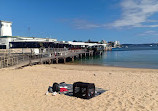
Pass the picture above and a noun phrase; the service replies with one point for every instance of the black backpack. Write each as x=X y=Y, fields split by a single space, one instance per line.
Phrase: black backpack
x=56 y=87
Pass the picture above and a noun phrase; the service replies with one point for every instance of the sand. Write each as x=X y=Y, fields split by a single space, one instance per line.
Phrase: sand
x=129 y=89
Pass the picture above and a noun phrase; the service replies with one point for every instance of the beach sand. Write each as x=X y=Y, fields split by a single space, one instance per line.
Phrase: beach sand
x=128 y=89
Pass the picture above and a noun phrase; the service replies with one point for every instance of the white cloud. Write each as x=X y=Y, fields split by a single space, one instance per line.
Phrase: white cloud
x=149 y=33
x=136 y=13
x=84 y=24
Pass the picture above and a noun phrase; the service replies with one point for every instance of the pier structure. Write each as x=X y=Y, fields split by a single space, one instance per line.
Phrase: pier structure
x=24 y=57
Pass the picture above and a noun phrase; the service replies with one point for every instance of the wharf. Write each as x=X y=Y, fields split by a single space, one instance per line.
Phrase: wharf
x=27 y=57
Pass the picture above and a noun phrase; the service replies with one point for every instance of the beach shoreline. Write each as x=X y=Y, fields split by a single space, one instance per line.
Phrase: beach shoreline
x=128 y=89
x=108 y=66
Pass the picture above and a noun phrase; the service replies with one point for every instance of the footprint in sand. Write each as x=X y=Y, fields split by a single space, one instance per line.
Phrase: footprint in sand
x=119 y=103
x=129 y=102
x=141 y=107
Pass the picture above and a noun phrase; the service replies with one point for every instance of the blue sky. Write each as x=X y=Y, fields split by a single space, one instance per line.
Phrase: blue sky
x=128 y=21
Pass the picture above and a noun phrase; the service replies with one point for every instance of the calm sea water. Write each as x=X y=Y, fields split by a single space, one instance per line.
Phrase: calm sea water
x=131 y=59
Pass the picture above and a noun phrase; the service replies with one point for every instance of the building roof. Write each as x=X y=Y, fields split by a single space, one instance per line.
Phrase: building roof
x=5 y=21
x=23 y=37
x=84 y=43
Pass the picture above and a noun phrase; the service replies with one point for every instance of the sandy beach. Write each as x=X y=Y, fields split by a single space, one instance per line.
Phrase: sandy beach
x=128 y=89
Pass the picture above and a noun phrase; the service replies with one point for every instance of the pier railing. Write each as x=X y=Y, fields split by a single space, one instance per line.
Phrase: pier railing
x=11 y=57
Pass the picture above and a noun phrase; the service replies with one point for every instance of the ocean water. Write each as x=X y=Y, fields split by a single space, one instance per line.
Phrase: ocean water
x=130 y=59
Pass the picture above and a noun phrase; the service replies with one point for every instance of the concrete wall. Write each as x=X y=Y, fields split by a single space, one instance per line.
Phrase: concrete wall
x=5 y=41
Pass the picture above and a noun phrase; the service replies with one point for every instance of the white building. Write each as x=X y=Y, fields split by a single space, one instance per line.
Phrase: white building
x=5 y=28
x=5 y=40
x=116 y=43
x=6 y=36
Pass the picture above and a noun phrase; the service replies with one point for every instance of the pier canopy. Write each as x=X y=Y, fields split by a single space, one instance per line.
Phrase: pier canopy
x=84 y=44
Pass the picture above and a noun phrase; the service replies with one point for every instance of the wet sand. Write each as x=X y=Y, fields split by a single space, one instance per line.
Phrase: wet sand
x=129 y=89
